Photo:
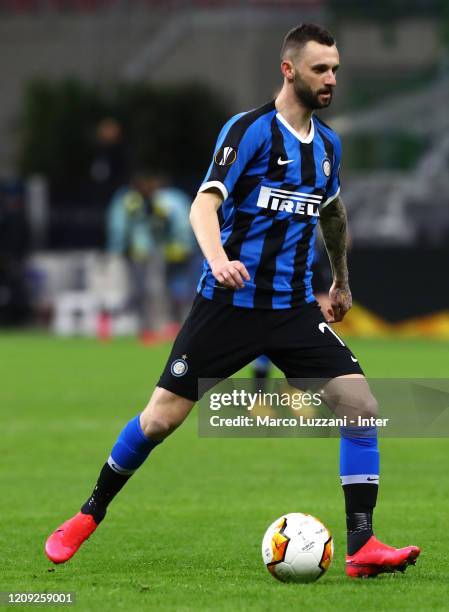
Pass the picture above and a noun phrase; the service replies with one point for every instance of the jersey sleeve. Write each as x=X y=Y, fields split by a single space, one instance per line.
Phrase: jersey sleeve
x=237 y=144
x=333 y=184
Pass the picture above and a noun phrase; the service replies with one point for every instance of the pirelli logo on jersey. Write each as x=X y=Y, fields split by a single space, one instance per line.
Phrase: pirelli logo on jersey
x=295 y=202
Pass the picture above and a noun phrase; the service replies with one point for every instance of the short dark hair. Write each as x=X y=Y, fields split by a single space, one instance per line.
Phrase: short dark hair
x=300 y=35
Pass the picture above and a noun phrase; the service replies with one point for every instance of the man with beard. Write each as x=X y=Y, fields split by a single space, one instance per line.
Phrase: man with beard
x=274 y=175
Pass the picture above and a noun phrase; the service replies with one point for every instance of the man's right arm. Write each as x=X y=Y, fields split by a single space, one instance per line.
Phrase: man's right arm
x=204 y=221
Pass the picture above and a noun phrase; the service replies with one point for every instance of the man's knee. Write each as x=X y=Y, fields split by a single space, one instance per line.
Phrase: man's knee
x=369 y=407
x=351 y=397
x=353 y=405
x=164 y=413
x=158 y=427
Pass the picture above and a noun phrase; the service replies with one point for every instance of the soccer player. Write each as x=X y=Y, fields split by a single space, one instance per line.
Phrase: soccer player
x=273 y=176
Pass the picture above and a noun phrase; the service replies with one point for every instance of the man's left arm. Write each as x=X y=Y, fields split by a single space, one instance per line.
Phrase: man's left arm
x=333 y=221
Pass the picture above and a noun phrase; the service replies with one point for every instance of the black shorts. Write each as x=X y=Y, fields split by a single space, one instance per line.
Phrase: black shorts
x=218 y=339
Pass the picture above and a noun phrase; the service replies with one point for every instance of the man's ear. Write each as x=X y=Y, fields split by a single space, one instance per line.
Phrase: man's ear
x=287 y=69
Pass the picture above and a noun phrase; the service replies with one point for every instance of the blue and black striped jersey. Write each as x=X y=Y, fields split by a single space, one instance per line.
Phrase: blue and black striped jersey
x=274 y=184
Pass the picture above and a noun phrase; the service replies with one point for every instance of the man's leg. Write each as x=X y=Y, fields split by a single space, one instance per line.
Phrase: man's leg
x=163 y=414
x=350 y=396
x=215 y=341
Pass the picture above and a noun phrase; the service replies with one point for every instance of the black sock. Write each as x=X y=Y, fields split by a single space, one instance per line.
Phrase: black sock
x=360 y=529
x=109 y=483
x=360 y=500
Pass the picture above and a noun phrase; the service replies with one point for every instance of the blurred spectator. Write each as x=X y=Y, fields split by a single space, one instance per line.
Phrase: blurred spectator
x=14 y=241
x=108 y=169
x=146 y=218
x=181 y=254
x=130 y=234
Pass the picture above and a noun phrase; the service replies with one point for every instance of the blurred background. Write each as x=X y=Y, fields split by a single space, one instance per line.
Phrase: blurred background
x=109 y=113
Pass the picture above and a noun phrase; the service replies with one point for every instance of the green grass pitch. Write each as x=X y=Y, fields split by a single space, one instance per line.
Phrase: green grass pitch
x=185 y=533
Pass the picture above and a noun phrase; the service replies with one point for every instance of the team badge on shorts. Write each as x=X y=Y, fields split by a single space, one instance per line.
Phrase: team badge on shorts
x=327 y=166
x=179 y=367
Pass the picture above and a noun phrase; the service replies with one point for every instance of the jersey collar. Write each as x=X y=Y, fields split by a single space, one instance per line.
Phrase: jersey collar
x=305 y=140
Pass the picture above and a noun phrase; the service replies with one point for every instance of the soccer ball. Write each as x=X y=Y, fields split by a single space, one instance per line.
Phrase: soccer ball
x=297 y=548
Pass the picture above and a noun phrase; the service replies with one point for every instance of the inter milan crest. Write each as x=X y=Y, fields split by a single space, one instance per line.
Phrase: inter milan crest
x=225 y=156
x=327 y=166
x=179 y=367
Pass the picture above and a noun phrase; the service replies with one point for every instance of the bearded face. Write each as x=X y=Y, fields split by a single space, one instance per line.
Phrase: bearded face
x=310 y=98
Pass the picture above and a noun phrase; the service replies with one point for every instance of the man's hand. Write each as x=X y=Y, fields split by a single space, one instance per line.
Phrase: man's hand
x=230 y=274
x=341 y=301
